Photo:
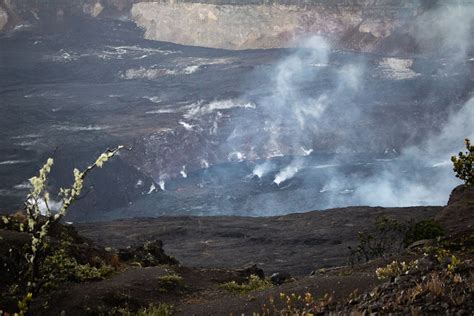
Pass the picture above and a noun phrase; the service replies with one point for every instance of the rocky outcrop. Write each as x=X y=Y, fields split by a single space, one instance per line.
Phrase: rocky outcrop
x=458 y=216
x=150 y=254
x=3 y=18
x=93 y=9
x=35 y=12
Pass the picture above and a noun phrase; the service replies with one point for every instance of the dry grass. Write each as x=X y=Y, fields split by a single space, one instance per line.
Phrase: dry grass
x=435 y=285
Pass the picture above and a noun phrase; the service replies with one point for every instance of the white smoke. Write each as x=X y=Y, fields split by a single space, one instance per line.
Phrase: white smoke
x=263 y=169
x=161 y=181
x=200 y=108
x=161 y=184
x=288 y=116
x=298 y=114
x=204 y=164
x=186 y=126
x=447 y=29
x=290 y=74
x=306 y=152
x=44 y=208
x=295 y=111
x=288 y=172
x=152 y=189
x=183 y=172
x=404 y=185
x=402 y=181
x=236 y=156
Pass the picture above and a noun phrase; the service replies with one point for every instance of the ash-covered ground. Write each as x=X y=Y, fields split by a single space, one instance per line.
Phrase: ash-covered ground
x=215 y=132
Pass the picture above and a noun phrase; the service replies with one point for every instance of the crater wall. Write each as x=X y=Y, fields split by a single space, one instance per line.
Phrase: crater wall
x=363 y=25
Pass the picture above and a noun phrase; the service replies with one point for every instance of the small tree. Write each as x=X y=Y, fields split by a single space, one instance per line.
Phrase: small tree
x=385 y=239
x=40 y=219
x=462 y=164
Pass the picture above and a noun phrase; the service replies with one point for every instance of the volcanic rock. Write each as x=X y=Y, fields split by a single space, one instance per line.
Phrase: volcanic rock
x=279 y=278
x=3 y=18
x=458 y=215
x=93 y=10
x=252 y=270
x=149 y=254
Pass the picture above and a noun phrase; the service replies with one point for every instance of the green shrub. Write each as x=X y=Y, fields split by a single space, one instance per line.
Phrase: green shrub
x=462 y=164
x=426 y=229
x=152 y=310
x=296 y=305
x=254 y=284
x=60 y=267
x=395 y=269
x=170 y=282
x=386 y=238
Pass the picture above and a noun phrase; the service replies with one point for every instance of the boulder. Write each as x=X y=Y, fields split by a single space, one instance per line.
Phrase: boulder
x=279 y=278
x=149 y=254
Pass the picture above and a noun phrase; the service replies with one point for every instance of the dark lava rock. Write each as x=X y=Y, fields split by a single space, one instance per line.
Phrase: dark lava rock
x=253 y=269
x=149 y=254
x=11 y=245
x=279 y=278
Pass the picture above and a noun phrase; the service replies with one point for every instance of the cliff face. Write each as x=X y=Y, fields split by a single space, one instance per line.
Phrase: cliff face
x=15 y=12
x=270 y=26
x=3 y=18
x=365 y=25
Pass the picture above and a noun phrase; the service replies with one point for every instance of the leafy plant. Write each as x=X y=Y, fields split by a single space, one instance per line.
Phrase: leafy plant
x=152 y=310
x=156 y=310
x=296 y=305
x=170 y=282
x=254 y=283
x=385 y=239
x=390 y=237
x=425 y=229
x=395 y=269
x=59 y=267
x=462 y=164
